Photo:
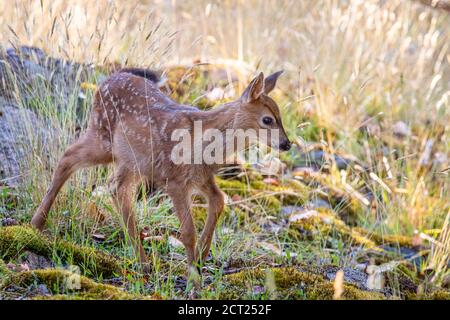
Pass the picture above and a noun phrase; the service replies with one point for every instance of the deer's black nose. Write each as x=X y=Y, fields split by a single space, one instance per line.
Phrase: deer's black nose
x=285 y=145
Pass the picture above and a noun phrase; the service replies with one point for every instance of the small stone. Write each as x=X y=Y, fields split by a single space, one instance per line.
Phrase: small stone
x=174 y=242
x=401 y=129
x=440 y=158
x=318 y=203
x=9 y=222
x=258 y=290
x=43 y=290
x=34 y=261
x=287 y=210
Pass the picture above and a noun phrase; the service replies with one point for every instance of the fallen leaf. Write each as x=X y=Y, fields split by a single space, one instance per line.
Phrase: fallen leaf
x=99 y=237
x=295 y=217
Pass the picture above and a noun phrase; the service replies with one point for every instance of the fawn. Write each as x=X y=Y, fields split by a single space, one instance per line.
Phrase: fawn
x=130 y=125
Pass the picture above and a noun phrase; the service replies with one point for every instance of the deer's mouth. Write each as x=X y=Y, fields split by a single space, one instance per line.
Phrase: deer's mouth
x=285 y=145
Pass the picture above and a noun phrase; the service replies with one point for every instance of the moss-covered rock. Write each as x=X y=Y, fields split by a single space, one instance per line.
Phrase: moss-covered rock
x=399 y=240
x=4 y=272
x=16 y=239
x=325 y=221
x=287 y=283
x=436 y=295
x=272 y=197
x=64 y=284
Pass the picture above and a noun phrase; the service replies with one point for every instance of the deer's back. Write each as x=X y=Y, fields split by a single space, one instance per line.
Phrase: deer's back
x=136 y=120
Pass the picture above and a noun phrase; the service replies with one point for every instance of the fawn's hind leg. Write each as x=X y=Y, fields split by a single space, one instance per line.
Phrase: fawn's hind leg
x=87 y=151
x=122 y=196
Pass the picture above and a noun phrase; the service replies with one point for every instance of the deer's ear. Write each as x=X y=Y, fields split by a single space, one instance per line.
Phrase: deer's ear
x=254 y=90
x=271 y=81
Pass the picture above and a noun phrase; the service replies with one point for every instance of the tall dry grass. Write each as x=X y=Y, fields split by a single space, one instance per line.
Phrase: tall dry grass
x=356 y=53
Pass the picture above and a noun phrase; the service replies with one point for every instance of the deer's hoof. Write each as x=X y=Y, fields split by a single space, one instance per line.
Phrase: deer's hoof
x=194 y=278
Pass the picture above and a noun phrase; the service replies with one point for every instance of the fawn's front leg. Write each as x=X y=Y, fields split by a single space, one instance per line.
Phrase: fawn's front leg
x=215 y=207
x=182 y=204
x=122 y=196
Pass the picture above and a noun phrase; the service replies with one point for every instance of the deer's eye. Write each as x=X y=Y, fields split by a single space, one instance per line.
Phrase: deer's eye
x=267 y=121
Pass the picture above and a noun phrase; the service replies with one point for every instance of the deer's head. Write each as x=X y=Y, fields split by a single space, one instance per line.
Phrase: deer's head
x=258 y=111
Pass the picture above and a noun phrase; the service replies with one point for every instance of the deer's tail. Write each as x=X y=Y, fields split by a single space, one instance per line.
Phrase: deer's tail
x=144 y=73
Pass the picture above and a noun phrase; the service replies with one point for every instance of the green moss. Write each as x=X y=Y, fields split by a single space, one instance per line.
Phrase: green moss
x=16 y=239
x=4 y=272
x=67 y=285
x=255 y=189
x=326 y=222
x=232 y=187
x=288 y=283
x=272 y=197
x=402 y=241
x=436 y=295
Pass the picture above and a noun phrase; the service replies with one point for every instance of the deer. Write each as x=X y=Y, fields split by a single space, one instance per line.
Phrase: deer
x=130 y=125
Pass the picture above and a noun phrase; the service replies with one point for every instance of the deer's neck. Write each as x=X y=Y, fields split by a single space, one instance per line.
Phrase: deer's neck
x=220 y=118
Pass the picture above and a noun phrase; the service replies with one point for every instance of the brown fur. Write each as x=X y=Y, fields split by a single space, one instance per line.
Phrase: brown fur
x=131 y=124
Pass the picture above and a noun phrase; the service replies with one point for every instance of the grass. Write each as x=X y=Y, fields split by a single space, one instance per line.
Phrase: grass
x=354 y=70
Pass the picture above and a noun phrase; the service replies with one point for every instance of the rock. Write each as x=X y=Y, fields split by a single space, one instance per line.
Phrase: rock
x=290 y=283
x=35 y=261
x=174 y=242
x=440 y=159
x=257 y=290
x=9 y=222
x=20 y=130
x=354 y=276
x=318 y=159
x=42 y=290
x=401 y=129
x=288 y=210
x=16 y=239
x=27 y=67
x=318 y=203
